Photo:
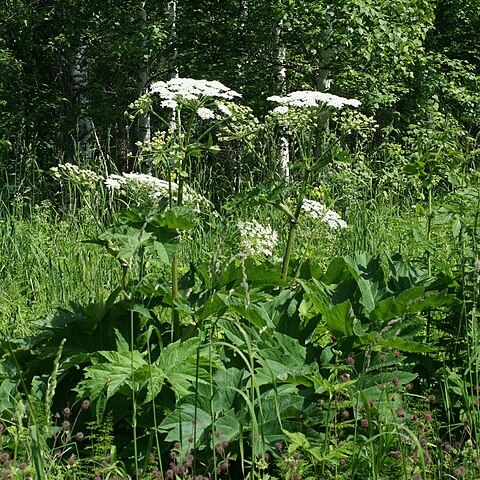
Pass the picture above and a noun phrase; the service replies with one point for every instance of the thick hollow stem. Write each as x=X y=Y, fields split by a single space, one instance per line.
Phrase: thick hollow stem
x=293 y=225
x=176 y=334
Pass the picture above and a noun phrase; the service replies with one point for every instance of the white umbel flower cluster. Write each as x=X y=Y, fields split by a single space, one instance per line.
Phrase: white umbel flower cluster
x=224 y=109
x=319 y=211
x=76 y=175
x=257 y=240
x=155 y=187
x=135 y=185
x=311 y=99
x=178 y=89
x=205 y=113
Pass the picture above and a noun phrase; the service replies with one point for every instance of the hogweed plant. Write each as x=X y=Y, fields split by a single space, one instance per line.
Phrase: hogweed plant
x=195 y=114
x=304 y=114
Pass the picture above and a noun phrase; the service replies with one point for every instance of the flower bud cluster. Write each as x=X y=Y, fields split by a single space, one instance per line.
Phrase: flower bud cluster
x=137 y=186
x=85 y=178
x=319 y=211
x=257 y=240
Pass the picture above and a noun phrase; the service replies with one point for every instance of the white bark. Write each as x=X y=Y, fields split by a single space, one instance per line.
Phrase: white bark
x=172 y=15
x=172 y=61
x=79 y=86
x=284 y=144
x=324 y=58
x=144 y=129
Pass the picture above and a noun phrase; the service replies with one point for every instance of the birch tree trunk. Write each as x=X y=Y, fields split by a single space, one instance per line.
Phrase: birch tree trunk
x=323 y=79
x=79 y=86
x=284 y=145
x=143 y=126
x=324 y=58
x=172 y=62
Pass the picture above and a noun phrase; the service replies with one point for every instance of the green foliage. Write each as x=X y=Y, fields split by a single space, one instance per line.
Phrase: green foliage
x=172 y=347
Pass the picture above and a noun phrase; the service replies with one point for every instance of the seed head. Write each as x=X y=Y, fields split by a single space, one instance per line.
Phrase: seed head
x=460 y=471
x=67 y=412
x=86 y=404
x=224 y=466
x=180 y=471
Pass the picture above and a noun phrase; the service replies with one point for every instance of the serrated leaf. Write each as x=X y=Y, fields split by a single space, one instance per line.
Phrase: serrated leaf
x=339 y=319
x=186 y=423
x=412 y=346
x=112 y=375
x=177 y=366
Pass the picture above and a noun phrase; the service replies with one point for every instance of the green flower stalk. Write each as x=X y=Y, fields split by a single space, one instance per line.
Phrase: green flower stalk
x=199 y=108
x=292 y=107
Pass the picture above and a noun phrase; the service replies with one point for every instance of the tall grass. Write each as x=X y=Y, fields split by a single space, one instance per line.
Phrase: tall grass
x=44 y=264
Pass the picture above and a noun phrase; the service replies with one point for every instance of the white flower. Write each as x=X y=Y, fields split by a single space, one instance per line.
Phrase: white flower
x=172 y=104
x=280 y=110
x=257 y=240
x=224 y=109
x=205 y=113
x=192 y=89
x=311 y=98
x=112 y=183
x=138 y=185
x=319 y=211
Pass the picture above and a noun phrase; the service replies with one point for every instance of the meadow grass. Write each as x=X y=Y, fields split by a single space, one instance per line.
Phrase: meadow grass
x=206 y=406
x=45 y=265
